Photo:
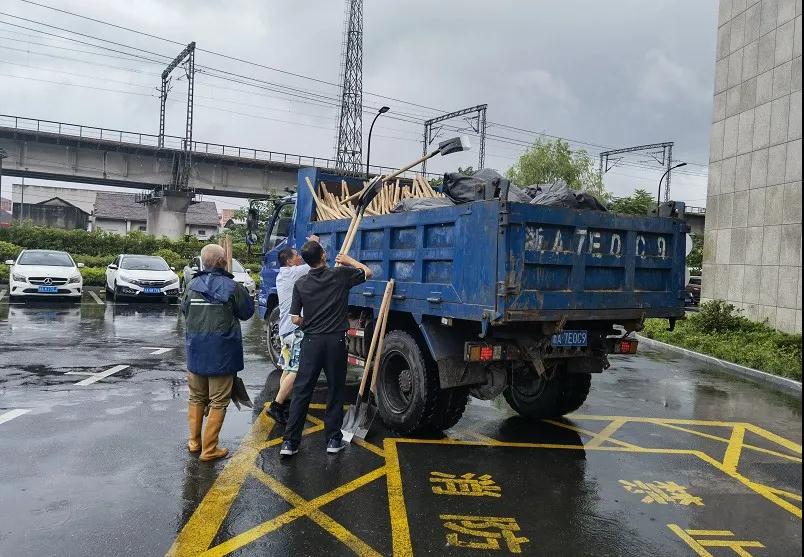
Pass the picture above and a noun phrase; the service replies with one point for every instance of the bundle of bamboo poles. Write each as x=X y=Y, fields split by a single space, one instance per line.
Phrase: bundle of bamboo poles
x=333 y=206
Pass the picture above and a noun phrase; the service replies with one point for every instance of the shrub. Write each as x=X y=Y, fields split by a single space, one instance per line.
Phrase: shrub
x=94 y=276
x=175 y=260
x=94 y=260
x=718 y=316
x=8 y=250
x=3 y=272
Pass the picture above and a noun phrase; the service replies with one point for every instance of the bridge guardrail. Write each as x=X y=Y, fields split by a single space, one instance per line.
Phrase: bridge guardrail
x=172 y=142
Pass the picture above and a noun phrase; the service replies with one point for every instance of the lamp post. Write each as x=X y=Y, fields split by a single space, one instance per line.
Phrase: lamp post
x=659 y=193
x=3 y=155
x=382 y=110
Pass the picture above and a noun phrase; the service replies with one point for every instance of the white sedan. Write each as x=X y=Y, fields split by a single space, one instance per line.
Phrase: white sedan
x=42 y=273
x=141 y=277
x=240 y=274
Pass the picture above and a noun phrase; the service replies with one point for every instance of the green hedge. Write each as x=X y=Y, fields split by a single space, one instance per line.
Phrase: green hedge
x=94 y=276
x=98 y=248
x=3 y=272
x=720 y=330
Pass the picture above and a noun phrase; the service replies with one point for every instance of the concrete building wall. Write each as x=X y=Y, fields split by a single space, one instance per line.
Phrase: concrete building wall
x=201 y=232
x=752 y=242
x=109 y=225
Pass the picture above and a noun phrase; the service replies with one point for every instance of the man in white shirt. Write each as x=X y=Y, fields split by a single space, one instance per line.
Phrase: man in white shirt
x=292 y=267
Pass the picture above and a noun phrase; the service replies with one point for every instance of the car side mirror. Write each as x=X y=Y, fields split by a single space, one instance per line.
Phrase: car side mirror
x=173 y=268
x=248 y=271
x=9 y=261
x=111 y=266
x=79 y=265
x=194 y=268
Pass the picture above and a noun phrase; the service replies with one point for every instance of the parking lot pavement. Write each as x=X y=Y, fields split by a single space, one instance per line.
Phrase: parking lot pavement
x=666 y=458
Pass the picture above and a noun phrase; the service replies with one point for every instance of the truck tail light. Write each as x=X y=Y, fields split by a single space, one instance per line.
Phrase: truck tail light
x=484 y=352
x=626 y=346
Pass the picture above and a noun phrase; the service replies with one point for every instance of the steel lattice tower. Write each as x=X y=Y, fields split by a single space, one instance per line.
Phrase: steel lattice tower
x=349 y=151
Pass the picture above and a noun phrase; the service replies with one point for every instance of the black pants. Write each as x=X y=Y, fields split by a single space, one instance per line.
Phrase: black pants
x=327 y=352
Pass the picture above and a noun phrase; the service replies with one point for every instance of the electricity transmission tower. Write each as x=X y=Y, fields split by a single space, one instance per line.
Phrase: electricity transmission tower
x=476 y=122
x=186 y=56
x=348 y=153
x=662 y=153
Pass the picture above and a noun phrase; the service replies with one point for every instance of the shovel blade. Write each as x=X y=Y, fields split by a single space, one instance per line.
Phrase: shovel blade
x=358 y=420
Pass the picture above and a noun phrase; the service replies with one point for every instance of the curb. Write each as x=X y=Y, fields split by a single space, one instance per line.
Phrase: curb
x=782 y=383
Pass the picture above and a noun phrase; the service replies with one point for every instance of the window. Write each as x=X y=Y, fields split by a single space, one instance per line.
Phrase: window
x=201 y=232
x=144 y=263
x=280 y=224
x=46 y=258
x=141 y=228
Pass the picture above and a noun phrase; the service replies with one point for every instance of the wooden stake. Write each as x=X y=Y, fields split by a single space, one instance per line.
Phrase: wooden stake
x=389 y=290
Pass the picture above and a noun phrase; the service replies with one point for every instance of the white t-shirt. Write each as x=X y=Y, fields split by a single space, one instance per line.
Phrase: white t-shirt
x=285 y=280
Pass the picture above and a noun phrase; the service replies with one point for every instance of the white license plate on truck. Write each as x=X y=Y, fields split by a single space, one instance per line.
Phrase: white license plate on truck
x=571 y=338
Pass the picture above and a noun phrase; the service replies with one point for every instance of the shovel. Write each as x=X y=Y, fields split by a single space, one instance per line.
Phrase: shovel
x=361 y=414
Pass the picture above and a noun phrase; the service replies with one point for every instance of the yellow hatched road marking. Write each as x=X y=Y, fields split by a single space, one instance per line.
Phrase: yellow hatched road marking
x=696 y=547
x=731 y=460
x=604 y=435
x=400 y=530
x=590 y=433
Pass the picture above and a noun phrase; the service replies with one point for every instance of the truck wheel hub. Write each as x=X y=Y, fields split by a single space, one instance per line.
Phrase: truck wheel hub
x=405 y=382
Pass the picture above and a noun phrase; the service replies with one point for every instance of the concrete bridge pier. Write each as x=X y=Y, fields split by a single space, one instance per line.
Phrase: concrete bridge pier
x=167 y=213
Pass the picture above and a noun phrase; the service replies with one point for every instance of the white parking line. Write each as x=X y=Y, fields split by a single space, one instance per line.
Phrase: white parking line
x=156 y=349
x=95 y=297
x=95 y=377
x=11 y=414
x=2 y=293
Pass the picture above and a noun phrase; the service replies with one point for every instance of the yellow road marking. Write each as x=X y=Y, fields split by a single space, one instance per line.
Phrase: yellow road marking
x=604 y=435
x=724 y=440
x=400 y=530
x=731 y=460
x=783 y=493
x=680 y=421
x=302 y=508
x=727 y=533
x=589 y=433
x=368 y=446
x=772 y=437
x=698 y=548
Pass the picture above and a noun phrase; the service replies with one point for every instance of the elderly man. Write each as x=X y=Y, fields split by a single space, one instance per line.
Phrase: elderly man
x=212 y=305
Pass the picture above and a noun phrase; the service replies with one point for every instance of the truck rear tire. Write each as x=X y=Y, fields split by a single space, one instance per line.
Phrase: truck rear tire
x=449 y=408
x=536 y=397
x=407 y=387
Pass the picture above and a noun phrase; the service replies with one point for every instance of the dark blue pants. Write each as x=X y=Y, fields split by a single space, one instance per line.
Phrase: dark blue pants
x=327 y=352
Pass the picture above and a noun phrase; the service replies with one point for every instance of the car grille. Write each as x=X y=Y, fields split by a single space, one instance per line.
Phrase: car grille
x=47 y=280
x=151 y=283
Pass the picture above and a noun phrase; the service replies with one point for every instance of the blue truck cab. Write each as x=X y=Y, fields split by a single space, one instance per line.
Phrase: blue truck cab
x=491 y=297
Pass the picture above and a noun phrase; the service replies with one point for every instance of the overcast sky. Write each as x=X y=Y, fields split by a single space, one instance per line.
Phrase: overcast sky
x=614 y=74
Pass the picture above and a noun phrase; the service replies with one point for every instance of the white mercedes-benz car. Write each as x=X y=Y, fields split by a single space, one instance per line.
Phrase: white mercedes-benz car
x=141 y=277
x=39 y=273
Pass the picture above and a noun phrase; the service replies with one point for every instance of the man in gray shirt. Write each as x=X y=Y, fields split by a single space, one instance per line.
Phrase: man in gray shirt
x=292 y=267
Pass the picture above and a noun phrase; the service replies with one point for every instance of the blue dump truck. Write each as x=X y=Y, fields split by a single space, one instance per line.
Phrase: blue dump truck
x=491 y=297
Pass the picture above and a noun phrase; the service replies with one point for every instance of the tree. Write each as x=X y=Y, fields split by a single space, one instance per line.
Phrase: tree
x=639 y=203
x=553 y=161
x=695 y=258
x=265 y=208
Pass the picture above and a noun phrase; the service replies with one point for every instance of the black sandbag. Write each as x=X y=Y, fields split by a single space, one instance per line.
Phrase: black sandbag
x=559 y=194
x=485 y=184
x=421 y=203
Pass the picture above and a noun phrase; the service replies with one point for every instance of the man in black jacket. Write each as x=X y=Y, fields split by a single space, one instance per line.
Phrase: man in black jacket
x=323 y=297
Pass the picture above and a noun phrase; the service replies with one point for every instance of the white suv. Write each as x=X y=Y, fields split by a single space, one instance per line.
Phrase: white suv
x=44 y=273
x=141 y=277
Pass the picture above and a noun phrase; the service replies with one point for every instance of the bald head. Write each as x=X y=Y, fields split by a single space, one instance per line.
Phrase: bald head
x=213 y=256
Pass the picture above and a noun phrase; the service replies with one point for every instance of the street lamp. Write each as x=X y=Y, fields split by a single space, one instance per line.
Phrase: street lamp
x=659 y=193
x=382 y=110
x=3 y=155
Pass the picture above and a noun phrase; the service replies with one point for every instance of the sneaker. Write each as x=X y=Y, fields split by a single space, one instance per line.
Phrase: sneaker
x=288 y=449
x=336 y=445
x=278 y=412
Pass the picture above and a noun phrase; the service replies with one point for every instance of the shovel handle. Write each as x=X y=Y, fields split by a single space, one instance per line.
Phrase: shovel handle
x=378 y=325
x=375 y=373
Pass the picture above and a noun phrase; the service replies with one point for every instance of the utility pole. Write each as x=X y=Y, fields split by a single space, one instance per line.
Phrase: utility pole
x=662 y=153
x=348 y=153
x=476 y=122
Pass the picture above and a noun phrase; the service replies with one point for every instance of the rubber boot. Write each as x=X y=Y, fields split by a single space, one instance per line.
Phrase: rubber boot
x=209 y=441
x=195 y=417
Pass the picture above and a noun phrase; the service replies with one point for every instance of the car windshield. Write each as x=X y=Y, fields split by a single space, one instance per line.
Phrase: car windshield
x=52 y=258
x=695 y=280
x=237 y=267
x=144 y=263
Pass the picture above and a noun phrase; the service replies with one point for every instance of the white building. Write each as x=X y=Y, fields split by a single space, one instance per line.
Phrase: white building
x=120 y=213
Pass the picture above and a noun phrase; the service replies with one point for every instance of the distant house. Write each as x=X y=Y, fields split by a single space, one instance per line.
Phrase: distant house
x=54 y=213
x=120 y=213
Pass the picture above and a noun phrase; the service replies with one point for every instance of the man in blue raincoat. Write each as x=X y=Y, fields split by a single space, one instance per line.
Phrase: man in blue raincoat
x=213 y=305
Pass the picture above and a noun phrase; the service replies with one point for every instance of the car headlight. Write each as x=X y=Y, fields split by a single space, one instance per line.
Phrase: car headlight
x=124 y=278
x=173 y=281
x=18 y=277
x=74 y=279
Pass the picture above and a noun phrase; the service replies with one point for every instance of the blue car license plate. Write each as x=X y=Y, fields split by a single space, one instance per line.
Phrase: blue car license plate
x=151 y=290
x=47 y=289
x=570 y=338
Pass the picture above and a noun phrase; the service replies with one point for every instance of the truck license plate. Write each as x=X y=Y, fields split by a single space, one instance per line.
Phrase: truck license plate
x=570 y=338
x=151 y=290
x=47 y=289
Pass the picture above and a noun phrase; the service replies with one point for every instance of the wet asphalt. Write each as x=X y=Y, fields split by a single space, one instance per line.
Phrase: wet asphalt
x=667 y=457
